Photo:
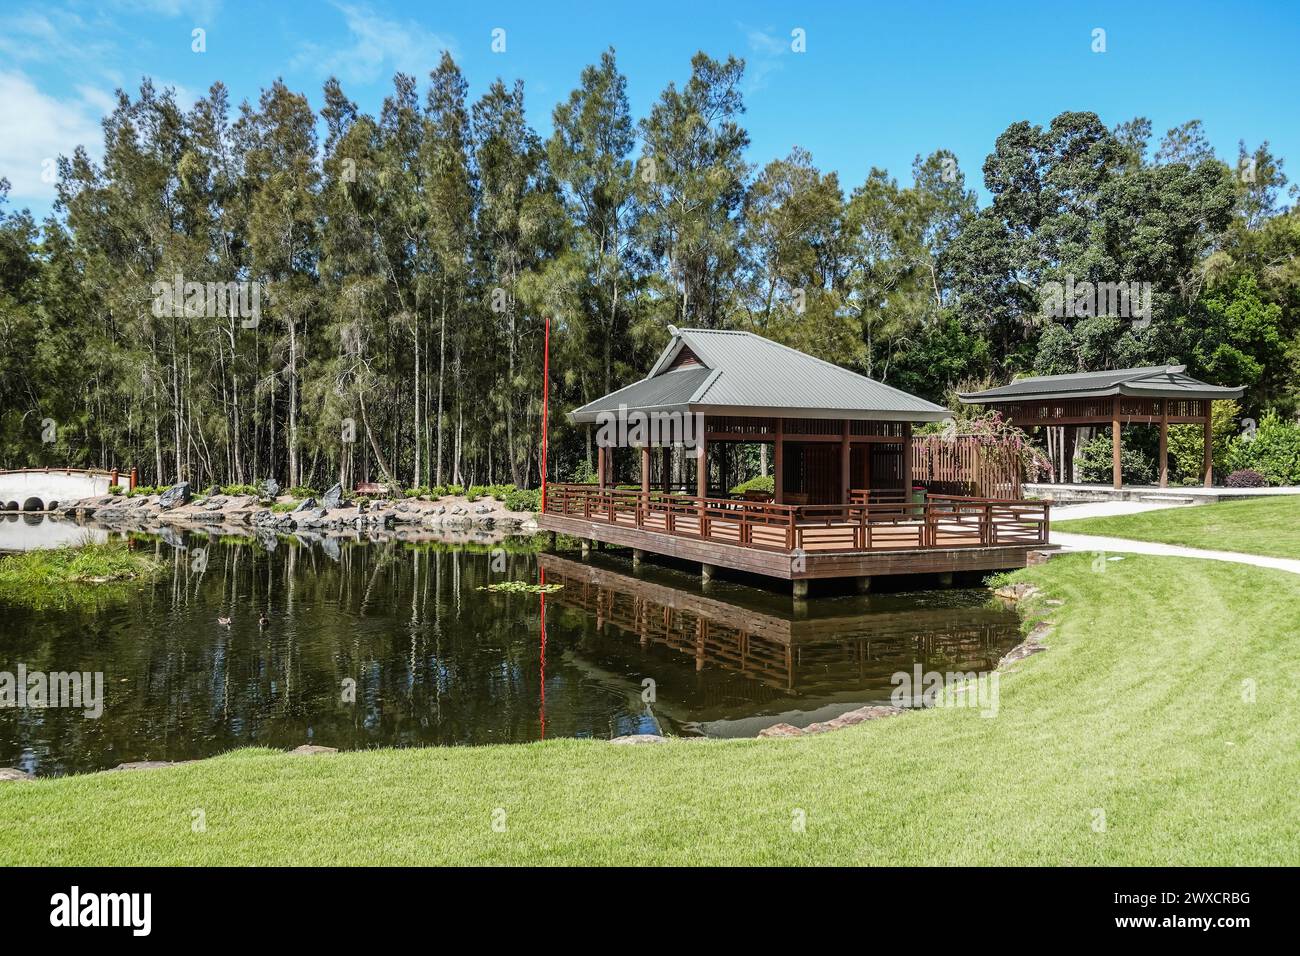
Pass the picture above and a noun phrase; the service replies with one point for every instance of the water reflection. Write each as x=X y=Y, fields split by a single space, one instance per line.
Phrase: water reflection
x=27 y=532
x=752 y=661
x=393 y=643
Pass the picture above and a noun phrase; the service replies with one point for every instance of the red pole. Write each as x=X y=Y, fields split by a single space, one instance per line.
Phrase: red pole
x=541 y=707
x=546 y=395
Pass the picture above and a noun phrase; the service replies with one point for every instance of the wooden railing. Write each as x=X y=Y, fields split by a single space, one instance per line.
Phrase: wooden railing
x=942 y=521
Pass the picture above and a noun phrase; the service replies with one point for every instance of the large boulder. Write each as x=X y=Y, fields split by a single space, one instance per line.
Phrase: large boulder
x=333 y=498
x=268 y=488
x=307 y=504
x=178 y=494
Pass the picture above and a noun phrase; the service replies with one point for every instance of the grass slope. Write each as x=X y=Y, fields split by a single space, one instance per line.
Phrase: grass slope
x=1136 y=710
x=1268 y=526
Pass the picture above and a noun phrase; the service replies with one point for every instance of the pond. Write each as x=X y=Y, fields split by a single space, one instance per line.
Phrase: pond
x=368 y=643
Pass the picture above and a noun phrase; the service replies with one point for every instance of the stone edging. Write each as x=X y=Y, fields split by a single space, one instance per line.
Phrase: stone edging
x=9 y=774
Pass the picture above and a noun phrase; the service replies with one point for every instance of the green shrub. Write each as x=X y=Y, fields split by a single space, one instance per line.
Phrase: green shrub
x=761 y=483
x=523 y=499
x=1273 y=451
x=1187 y=443
x=1246 y=478
x=455 y=489
x=143 y=491
x=239 y=489
x=583 y=474
x=1094 y=462
x=499 y=492
x=302 y=492
x=284 y=506
x=476 y=492
x=114 y=489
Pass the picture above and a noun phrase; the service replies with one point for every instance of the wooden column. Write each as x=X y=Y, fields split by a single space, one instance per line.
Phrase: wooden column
x=666 y=465
x=602 y=453
x=1164 y=443
x=1067 y=466
x=645 y=475
x=845 y=459
x=778 y=463
x=702 y=469
x=1117 y=474
x=1209 y=446
x=907 y=461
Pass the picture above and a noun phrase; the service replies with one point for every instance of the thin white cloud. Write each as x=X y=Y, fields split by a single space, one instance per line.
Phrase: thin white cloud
x=766 y=53
x=378 y=46
x=200 y=11
x=102 y=101
x=53 y=37
x=35 y=129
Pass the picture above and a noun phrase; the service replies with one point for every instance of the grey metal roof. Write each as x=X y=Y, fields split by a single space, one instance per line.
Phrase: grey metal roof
x=745 y=374
x=1153 y=381
x=670 y=391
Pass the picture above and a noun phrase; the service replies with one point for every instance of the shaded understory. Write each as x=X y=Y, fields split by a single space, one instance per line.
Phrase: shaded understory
x=1169 y=701
x=1269 y=526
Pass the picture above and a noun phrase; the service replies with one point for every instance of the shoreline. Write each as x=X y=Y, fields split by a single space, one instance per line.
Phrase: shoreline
x=418 y=518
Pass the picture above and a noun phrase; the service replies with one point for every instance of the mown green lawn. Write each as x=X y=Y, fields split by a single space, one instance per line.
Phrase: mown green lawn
x=1268 y=526
x=1139 y=710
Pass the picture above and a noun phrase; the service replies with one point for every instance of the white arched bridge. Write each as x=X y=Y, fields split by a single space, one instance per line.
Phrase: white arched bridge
x=44 y=489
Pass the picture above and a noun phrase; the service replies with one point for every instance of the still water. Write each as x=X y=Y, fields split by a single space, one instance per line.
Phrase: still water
x=395 y=643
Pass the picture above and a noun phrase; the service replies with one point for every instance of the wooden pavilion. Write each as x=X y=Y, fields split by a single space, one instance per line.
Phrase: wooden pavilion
x=1160 y=395
x=842 y=502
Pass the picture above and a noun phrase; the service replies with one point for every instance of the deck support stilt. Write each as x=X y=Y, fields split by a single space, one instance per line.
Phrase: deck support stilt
x=945 y=579
x=637 y=557
x=707 y=573
x=550 y=540
x=800 y=588
x=862 y=584
x=585 y=545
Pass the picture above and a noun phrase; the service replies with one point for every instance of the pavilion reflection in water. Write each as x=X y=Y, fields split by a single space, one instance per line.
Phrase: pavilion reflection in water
x=751 y=661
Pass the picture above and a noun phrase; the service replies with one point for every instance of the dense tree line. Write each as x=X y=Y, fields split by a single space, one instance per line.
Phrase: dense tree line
x=403 y=264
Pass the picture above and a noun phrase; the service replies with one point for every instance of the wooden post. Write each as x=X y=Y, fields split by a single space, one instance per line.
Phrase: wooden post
x=1072 y=439
x=702 y=469
x=1164 y=443
x=845 y=458
x=645 y=473
x=601 y=455
x=666 y=465
x=1117 y=474
x=1209 y=445
x=778 y=463
x=906 y=462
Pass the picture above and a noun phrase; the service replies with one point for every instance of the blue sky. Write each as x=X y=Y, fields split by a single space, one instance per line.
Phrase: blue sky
x=877 y=84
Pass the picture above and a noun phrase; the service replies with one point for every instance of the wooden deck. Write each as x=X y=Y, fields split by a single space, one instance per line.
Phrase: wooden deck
x=864 y=538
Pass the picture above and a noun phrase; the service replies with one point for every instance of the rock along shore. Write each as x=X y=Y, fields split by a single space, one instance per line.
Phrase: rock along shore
x=176 y=510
